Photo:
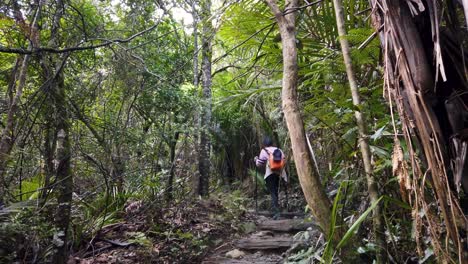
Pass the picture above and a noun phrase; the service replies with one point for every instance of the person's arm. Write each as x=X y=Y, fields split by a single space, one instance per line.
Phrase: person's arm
x=262 y=160
x=282 y=154
x=284 y=175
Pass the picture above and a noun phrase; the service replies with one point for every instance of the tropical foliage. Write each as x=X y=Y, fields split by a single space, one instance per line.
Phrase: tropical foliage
x=136 y=112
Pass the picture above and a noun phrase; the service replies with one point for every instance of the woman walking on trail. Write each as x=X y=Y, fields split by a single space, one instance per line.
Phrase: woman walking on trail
x=273 y=159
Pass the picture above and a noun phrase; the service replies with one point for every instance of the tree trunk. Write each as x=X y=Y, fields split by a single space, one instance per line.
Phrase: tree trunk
x=205 y=120
x=314 y=193
x=64 y=176
x=7 y=136
x=196 y=116
x=195 y=44
x=170 y=180
x=53 y=68
x=48 y=158
x=118 y=170
x=363 y=138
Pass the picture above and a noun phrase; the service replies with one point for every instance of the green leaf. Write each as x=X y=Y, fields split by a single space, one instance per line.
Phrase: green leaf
x=327 y=255
x=397 y=202
x=382 y=153
x=350 y=135
x=378 y=133
x=352 y=230
x=357 y=108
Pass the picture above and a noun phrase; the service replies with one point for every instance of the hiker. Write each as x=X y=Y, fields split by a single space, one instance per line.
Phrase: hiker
x=273 y=159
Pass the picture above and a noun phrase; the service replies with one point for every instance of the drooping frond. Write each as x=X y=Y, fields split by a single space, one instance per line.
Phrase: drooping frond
x=422 y=73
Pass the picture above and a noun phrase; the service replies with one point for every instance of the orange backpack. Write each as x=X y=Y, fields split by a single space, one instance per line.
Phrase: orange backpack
x=276 y=160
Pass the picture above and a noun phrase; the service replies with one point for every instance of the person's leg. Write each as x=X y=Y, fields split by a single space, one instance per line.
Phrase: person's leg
x=272 y=182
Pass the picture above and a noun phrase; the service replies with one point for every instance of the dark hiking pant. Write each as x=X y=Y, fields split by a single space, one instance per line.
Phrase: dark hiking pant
x=272 y=183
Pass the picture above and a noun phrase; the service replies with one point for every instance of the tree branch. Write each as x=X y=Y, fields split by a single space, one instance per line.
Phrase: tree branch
x=275 y=9
x=242 y=43
x=290 y=10
x=224 y=69
x=106 y=42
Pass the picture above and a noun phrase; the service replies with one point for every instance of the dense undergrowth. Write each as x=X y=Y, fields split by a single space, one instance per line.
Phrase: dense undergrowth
x=134 y=229
x=106 y=110
x=128 y=230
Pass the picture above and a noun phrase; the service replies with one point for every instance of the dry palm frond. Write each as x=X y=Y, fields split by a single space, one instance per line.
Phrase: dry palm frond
x=409 y=82
x=400 y=169
x=459 y=148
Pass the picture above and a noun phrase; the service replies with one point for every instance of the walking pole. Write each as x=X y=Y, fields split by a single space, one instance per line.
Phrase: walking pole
x=256 y=204
x=286 y=193
x=279 y=192
x=286 y=185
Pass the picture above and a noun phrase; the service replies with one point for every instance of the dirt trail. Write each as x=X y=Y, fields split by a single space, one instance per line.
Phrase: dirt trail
x=267 y=242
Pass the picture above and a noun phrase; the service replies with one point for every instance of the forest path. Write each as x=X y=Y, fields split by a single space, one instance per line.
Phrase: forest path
x=266 y=241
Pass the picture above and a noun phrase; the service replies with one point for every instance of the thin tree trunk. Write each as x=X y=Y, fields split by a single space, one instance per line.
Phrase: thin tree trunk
x=118 y=169
x=314 y=193
x=7 y=136
x=205 y=120
x=195 y=44
x=64 y=175
x=53 y=67
x=170 y=179
x=48 y=157
x=117 y=163
x=363 y=139
x=196 y=117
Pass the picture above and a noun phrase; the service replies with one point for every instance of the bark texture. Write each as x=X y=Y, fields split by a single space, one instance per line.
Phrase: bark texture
x=48 y=158
x=195 y=44
x=53 y=70
x=170 y=179
x=196 y=116
x=205 y=119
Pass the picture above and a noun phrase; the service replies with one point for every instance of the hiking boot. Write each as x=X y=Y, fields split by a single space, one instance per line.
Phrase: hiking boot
x=276 y=216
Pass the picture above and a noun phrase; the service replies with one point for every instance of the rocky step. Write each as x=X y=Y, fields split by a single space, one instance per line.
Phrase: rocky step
x=286 y=225
x=268 y=239
x=221 y=260
x=240 y=257
x=282 y=214
x=265 y=243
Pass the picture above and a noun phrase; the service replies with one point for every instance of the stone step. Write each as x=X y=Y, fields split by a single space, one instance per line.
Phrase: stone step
x=265 y=243
x=286 y=225
x=222 y=260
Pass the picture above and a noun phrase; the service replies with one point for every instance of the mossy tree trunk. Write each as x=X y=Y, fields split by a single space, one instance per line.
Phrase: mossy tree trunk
x=205 y=118
x=53 y=66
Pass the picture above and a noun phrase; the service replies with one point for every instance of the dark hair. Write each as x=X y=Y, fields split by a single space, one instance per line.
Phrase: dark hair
x=267 y=142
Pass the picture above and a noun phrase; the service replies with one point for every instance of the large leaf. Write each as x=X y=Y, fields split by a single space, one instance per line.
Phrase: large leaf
x=352 y=230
